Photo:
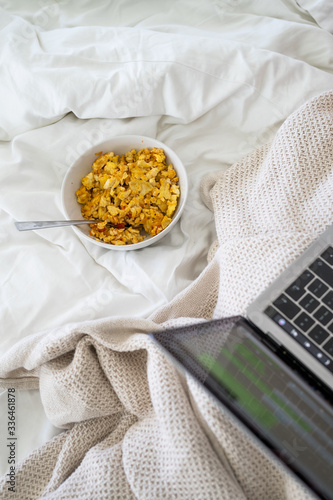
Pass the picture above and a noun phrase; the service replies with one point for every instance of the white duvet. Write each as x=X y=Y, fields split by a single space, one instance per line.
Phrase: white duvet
x=213 y=80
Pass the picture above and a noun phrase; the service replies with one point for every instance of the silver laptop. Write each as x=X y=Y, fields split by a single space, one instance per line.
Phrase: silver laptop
x=273 y=369
x=296 y=310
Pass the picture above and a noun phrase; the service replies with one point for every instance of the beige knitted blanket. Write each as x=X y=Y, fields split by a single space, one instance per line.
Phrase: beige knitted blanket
x=133 y=427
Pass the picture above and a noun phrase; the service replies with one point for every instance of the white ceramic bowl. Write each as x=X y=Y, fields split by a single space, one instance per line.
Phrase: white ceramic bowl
x=119 y=145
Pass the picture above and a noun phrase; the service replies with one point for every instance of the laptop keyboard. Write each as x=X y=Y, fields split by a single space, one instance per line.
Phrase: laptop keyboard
x=305 y=309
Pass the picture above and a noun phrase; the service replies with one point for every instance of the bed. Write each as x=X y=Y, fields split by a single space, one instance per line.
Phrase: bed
x=214 y=81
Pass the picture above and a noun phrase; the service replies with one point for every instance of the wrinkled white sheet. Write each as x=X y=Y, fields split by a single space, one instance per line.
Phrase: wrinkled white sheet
x=213 y=80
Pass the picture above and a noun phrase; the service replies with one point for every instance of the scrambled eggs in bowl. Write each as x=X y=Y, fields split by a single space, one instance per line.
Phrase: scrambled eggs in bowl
x=134 y=187
x=134 y=195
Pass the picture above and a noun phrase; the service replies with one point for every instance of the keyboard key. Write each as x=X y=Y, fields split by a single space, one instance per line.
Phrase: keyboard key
x=297 y=289
x=304 y=322
x=330 y=327
x=271 y=312
x=328 y=299
x=304 y=278
x=318 y=334
x=309 y=303
x=329 y=347
x=328 y=255
x=318 y=288
x=286 y=306
x=323 y=315
x=323 y=271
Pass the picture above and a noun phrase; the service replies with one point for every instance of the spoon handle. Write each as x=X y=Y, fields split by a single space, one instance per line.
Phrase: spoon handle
x=41 y=224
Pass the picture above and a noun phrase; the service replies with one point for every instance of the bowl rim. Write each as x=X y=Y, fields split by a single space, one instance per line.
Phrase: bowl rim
x=152 y=239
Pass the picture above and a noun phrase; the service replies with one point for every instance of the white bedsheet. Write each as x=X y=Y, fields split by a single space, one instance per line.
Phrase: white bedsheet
x=213 y=80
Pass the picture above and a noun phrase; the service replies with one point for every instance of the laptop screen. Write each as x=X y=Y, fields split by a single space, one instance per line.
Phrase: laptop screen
x=266 y=395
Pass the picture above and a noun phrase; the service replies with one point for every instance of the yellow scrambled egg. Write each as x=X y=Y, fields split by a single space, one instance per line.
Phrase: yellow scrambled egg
x=137 y=193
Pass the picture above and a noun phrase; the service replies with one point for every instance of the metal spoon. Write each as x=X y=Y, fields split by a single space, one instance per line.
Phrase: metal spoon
x=39 y=224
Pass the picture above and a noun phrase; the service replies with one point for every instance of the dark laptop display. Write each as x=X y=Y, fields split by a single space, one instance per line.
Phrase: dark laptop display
x=289 y=411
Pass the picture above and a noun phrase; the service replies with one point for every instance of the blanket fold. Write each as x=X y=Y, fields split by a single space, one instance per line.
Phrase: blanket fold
x=135 y=428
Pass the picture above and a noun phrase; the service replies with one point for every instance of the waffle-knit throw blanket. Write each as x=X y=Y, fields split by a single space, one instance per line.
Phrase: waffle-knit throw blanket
x=133 y=427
